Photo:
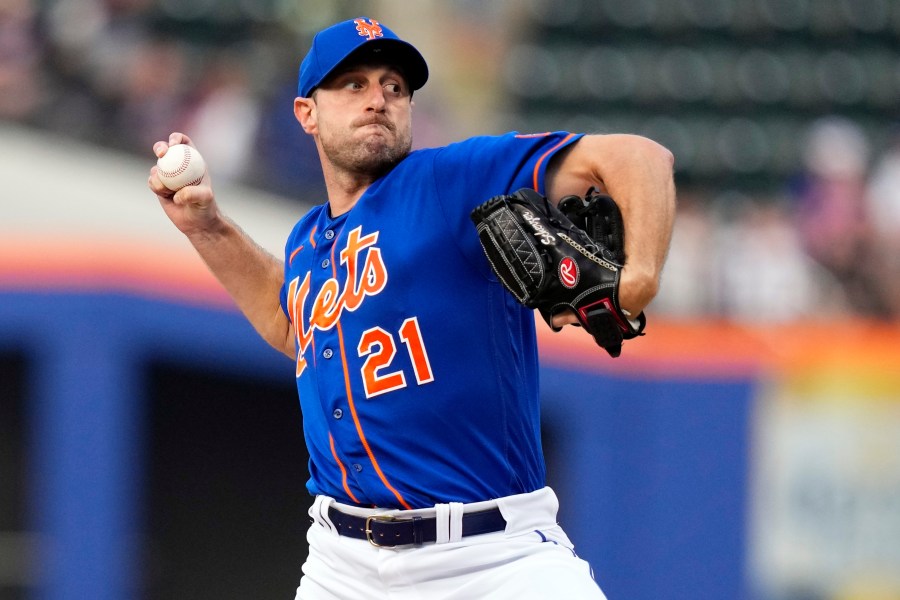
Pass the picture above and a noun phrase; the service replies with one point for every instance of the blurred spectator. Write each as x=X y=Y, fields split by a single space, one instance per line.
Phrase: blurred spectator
x=223 y=116
x=762 y=272
x=151 y=93
x=100 y=66
x=20 y=52
x=124 y=73
x=883 y=204
x=883 y=196
x=686 y=289
x=288 y=161
x=830 y=211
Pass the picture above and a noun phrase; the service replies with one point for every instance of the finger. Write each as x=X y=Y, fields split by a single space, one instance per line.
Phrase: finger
x=160 y=148
x=176 y=137
x=157 y=186
x=182 y=197
x=197 y=195
x=564 y=318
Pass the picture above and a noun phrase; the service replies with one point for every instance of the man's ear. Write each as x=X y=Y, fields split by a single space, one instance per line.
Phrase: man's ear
x=305 y=113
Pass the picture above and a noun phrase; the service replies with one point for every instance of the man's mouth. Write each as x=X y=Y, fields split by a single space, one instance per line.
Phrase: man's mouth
x=376 y=122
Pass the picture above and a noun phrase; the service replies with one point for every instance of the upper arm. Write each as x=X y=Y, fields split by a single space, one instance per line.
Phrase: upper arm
x=637 y=173
x=602 y=161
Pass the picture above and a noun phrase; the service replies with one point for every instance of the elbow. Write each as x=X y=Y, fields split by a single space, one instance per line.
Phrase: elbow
x=637 y=154
x=287 y=345
x=667 y=156
x=654 y=152
x=660 y=164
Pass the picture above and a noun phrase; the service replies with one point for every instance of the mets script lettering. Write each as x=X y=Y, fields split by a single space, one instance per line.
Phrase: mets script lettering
x=365 y=275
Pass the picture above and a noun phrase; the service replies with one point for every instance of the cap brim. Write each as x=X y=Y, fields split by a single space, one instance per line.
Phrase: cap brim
x=392 y=52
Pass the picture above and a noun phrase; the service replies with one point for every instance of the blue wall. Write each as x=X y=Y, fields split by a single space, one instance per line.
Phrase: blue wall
x=652 y=473
x=652 y=476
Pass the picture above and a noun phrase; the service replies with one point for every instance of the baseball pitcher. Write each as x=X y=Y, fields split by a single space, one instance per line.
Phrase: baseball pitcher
x=406 y=301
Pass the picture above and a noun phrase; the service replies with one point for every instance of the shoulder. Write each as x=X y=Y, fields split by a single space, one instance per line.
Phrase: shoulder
x=505 y=148
x=511 y=138
x=306 y=223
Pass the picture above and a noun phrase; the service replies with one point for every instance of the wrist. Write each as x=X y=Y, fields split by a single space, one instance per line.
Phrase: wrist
x=636 y=289
x=211 y=230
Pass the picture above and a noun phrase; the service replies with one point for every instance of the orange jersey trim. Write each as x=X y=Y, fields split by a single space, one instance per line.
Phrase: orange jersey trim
x=537 y=166
x=352 y=404
x=359 y=429
x=312 y=240
x=293 y=254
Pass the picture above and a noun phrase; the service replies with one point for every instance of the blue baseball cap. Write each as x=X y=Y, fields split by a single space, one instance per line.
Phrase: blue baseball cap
x=351 y=40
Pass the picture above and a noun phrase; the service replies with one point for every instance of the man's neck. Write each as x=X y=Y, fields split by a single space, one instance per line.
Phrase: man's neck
x=345 y=186
x=344 y=190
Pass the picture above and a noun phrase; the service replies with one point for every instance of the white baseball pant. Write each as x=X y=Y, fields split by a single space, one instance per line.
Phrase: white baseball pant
x=531 y=559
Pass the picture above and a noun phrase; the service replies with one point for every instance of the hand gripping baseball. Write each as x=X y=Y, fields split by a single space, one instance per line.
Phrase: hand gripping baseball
x=549 y=263
x=181 y=183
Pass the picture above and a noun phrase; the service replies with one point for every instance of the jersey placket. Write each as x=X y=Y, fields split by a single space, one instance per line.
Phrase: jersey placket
x=329 y=363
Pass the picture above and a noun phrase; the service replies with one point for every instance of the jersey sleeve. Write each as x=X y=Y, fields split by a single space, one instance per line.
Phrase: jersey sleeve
x=481 y=167
x=472 y=171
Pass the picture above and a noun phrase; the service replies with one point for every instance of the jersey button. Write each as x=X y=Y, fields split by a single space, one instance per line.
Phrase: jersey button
x=325 y=263
x=329 y=234
x=338 y=413
x=327 y=353
x=357 y=468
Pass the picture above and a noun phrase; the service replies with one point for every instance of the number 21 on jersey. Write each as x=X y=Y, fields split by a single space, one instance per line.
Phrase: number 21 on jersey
x=380 y=348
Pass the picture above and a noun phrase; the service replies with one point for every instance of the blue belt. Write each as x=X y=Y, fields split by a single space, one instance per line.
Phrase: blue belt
x=389 y=531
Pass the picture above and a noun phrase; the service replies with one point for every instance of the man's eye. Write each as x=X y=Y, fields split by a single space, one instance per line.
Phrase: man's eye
x=393 y=88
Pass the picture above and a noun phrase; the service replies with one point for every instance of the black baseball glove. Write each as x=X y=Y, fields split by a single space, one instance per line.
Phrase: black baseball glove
x=556 y=259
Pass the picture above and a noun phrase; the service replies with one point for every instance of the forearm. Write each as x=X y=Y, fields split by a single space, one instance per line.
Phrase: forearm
x=640 y=180
x=251 y=276
x=638 y=174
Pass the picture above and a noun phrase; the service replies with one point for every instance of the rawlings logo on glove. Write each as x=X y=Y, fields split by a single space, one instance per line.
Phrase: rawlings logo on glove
x=557 y=259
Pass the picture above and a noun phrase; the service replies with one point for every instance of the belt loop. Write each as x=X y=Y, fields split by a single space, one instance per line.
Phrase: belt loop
x=456 y=521
x=418 y=532
x=442 y=523
x=319 y=512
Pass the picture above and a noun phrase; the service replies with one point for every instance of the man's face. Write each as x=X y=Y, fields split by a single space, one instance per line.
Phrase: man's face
x=364 y=118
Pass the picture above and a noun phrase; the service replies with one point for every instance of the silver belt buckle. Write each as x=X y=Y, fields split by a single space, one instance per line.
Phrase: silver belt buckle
x=369 y=537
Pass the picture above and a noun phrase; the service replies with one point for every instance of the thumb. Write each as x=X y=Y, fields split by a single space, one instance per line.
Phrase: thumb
x=197 y=195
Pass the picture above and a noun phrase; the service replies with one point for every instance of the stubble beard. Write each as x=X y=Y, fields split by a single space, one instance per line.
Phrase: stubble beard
x=371 y=157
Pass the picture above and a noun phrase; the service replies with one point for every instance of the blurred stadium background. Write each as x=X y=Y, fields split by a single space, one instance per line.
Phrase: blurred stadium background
x=747 y=448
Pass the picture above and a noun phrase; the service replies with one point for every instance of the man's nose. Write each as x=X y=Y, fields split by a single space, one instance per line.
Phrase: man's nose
x=376 y=99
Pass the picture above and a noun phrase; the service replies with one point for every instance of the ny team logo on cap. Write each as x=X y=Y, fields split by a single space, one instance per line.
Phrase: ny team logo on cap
x=344 y=42
x=370 y=30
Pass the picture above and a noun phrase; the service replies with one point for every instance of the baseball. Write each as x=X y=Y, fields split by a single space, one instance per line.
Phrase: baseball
x=180 y=166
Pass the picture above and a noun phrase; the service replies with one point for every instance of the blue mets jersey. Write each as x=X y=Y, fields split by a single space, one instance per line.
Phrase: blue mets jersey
x=417 y=372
